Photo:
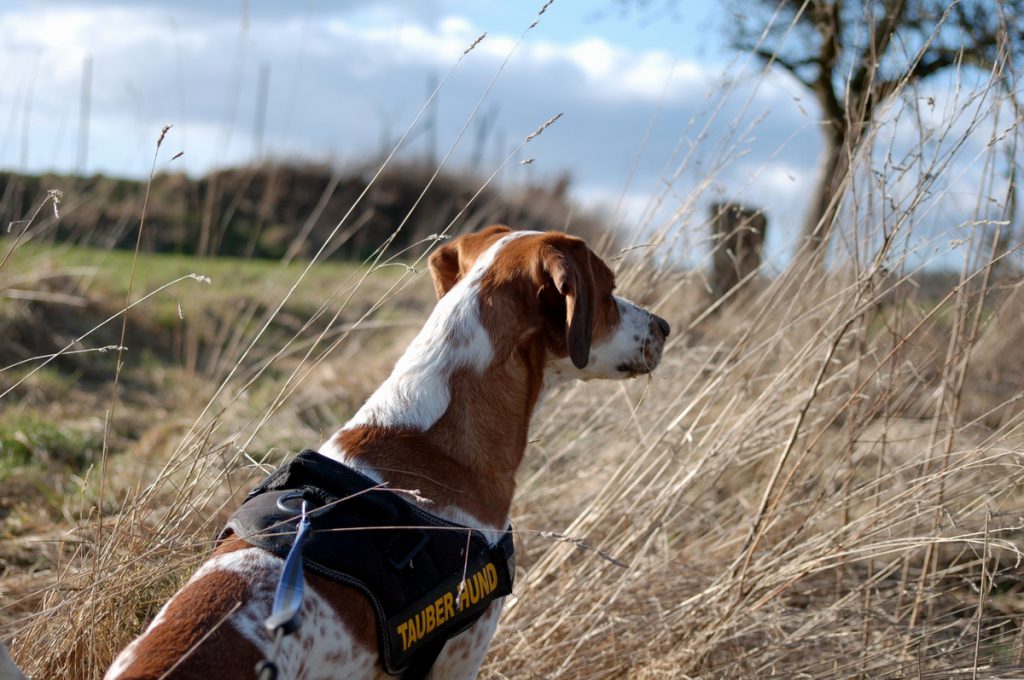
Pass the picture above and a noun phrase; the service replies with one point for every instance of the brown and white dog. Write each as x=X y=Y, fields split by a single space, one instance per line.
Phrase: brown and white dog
x=518 y=312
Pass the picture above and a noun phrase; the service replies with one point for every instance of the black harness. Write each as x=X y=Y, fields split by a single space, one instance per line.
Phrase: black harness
x=427 y=579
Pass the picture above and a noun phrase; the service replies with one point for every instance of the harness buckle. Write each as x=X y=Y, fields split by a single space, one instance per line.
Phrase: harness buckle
x=404 y=546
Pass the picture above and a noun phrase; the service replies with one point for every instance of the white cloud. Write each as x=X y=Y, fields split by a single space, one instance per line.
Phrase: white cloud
x=149 y=68
x=346 y=84
x=595 y=57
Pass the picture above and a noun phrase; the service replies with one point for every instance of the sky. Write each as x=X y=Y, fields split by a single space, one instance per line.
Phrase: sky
x=654 y=103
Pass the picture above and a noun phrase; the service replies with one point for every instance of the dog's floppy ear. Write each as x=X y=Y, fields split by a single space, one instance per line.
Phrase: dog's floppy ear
x=444 y=268
x=570 y=271
x=451 y=261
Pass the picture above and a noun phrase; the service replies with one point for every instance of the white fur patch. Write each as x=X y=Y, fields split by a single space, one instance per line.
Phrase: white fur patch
x=417 y=393
x=123 y=661
x=321 y=648
x=331 y=449
x=625 y=347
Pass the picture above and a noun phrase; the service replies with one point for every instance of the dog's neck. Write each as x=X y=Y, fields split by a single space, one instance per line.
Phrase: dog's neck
x=465 y=462
x=452 y=419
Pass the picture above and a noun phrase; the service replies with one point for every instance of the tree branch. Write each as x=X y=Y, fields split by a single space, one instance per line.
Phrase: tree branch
x=882 y=32
x=933 y=62
x=770 y=58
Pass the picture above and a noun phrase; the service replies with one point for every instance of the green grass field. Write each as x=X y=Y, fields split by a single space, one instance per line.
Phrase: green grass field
x=179 y=348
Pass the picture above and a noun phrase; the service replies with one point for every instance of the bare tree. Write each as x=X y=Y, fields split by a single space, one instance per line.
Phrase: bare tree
x=853 y=56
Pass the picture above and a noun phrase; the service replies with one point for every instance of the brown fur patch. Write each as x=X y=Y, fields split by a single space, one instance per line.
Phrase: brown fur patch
x=177 y=648
x=201 y=605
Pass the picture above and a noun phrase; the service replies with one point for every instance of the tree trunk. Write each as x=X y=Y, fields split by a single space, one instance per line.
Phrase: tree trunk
x=821 y=213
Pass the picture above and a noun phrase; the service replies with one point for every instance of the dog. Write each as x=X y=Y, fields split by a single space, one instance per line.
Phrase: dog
x=518 y=312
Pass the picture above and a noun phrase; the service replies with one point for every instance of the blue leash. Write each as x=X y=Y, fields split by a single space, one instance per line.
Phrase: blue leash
x=285 y=616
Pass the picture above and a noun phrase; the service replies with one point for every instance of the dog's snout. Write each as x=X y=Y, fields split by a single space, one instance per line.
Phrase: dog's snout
x=661 y=324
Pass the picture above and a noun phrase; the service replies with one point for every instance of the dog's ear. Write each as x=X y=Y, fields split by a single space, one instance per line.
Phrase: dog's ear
x=568 y=266
x=451 y=261
x=444 y=268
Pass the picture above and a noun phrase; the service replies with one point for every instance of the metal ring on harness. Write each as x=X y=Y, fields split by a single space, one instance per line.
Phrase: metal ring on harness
x=302 y=495
x=282 y=504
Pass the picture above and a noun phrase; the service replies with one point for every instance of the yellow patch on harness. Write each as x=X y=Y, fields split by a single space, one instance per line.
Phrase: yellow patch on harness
x=477 y=586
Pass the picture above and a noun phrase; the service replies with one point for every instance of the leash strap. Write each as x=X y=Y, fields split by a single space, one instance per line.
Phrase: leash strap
x=286 y=614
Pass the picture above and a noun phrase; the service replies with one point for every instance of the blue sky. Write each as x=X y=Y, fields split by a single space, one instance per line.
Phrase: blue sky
x=660 y=117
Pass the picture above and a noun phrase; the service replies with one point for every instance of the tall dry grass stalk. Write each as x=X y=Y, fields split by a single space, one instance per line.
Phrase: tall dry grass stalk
x=821 y=480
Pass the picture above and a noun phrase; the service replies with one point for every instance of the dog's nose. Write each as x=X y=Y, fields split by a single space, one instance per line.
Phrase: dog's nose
x=662 y=325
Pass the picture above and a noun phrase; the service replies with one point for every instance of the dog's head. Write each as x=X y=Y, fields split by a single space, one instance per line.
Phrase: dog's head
x=550 y=289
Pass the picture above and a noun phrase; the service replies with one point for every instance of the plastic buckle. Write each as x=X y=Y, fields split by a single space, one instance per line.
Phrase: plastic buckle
x=405 y=546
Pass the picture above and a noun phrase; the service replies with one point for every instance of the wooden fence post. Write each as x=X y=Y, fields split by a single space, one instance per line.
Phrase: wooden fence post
x=737 y=234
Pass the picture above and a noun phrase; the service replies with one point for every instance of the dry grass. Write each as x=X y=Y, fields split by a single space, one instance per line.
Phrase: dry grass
x=822 y=480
